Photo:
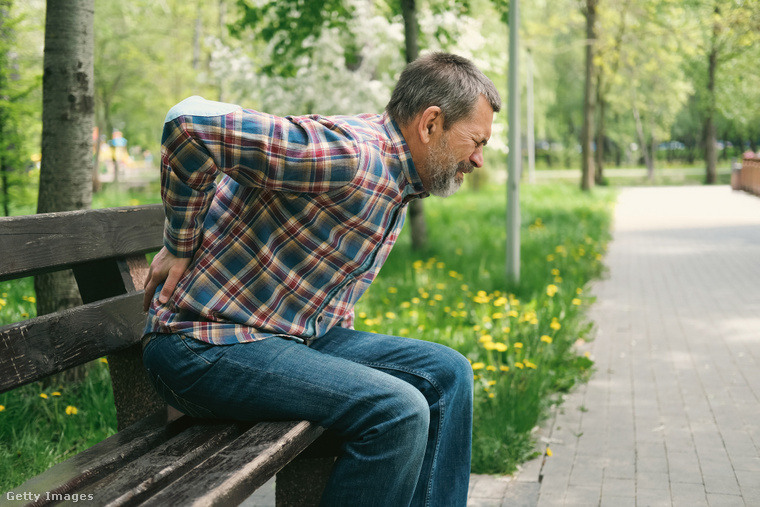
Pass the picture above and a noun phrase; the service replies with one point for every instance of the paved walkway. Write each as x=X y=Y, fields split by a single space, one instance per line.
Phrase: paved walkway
x=672 y=415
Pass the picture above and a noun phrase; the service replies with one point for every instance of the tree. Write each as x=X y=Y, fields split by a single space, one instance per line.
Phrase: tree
x=587 y=160
x=67 y=126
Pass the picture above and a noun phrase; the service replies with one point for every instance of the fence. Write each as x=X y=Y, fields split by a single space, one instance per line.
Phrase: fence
x=749 y=177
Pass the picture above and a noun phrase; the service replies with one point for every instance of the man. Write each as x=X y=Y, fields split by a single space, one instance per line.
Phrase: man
x=251 y=299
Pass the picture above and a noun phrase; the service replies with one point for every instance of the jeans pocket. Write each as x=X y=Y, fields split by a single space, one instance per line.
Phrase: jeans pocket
x=177 y=401
x=206 y=352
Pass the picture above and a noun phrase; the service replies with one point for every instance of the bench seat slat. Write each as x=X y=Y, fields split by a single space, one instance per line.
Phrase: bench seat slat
x=103 y=458
x=35 y=244
x=150 y=472
x=232 y=474
x=39 y=347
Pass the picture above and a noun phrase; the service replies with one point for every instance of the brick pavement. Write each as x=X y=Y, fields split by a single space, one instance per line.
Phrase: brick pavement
x=672 y=415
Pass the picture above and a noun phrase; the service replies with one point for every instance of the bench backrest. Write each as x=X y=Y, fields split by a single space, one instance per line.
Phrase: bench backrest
x=106 y=251
x=750 y=175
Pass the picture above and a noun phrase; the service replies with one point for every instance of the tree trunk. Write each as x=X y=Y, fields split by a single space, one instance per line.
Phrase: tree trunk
x=416 y=208
x=587 y=161
x=643 y=141
x=67 y=125
x=711 y=156
x=599 y=154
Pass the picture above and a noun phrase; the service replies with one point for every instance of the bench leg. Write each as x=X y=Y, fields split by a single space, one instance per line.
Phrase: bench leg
x=302 y=481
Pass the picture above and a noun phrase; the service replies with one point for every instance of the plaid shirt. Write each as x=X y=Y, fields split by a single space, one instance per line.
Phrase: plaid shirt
x=304 y=216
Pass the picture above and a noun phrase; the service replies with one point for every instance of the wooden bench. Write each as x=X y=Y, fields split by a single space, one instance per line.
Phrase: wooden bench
x=159 y=456
x=749 y=179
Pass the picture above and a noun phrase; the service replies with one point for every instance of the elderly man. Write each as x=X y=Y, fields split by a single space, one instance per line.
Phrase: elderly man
x=251 y=299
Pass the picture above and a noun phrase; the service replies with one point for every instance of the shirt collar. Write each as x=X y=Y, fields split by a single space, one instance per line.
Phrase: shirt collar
x=414 y=189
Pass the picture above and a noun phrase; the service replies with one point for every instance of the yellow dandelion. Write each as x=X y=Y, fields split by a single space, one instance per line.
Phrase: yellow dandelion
x=530 y=365
x=551 y=290
x=104 y=360
x=458 y=251
x=438 y=297
x=425 y=295
x=43 y=396
x=2 y=407
x=512 y=313
x=453 y=274
x=587 y=354
x=56 y=393
x=25 y=315
x=557 y=279
x=491 y=368
x=71 y=410
x=485 y=338
x=504 y=367
x=581 y=251
x=497 y=315
x=560 y=249
x=416 y=301
x=555 y=272
x=598 y=257
x=579 y=291
x=414 y=314
x=506 y=329
x=369 y=322
x=518 y=364
x=492 y=382
x=491 y=395
x=440 y=286
x=403 y=331
x=3 y=302
x=549 y=258
x=555 y=325
x=546 y=339
x=489 y=345
x=406 y=304
x=478 y=366
x=576 y=301
x=417 y=265
x=518 y=345
x=362 y=315
x=392 y=290
x=476 y=327
x=549 y=452
x=502 y=301
x=500 y=347
x=390 y=315
x=460 y=305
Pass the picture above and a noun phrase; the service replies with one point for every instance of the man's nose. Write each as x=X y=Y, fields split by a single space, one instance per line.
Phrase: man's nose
x=477 y=157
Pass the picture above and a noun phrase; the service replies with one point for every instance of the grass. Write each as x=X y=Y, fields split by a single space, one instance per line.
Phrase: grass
x=521 y=340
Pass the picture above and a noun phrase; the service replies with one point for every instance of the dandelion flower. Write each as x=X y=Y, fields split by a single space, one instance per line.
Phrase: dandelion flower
x=557 y=279
x=3 y=303
x=576 y=301
x=546 y=339
x=491 y=368
x=579 y=291
x=362 y=315
x=551 y=290
x=549 y=258
x=502 y=301
x=71 y=410
x=555 y=272
x=458 y=251
x=530 y=365
x=504 y=367
x=43 y=396
x=56 y=393
x=485 y=338
x=549 y=452
x=392 y=290
x=438 y=297
x=416 y=301
x=390 y=315
x=518 y=345
x=440 y=265
x=492 y=382
x=491 y=395
x=497 y=315
x=500 y=347
x=2 y=407
x=489 y=345
x=406 y=304
x=478 y=366
x=506 y=329
x=518 y=364
x=512 y=313
x=104 y=360
x=555 y=324
x=403 y=331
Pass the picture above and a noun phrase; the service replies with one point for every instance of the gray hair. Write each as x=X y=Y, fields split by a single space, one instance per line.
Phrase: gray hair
x=448 y=81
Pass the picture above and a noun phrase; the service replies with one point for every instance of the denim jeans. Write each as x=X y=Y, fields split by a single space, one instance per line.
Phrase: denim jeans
x=402 y=407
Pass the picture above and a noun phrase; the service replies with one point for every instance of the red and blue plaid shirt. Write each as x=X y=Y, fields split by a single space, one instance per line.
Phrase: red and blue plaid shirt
x=302 y=220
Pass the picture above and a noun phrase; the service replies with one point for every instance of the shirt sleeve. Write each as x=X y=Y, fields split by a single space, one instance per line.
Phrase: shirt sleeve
x=201 y=139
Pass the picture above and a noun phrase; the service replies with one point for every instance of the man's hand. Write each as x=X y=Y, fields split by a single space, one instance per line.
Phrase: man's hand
x=166 y=269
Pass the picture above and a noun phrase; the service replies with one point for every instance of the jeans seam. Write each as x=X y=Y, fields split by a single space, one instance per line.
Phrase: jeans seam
x=442 y=403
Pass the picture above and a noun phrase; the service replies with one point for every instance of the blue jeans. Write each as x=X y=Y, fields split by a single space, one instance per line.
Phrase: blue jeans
x=402 y=407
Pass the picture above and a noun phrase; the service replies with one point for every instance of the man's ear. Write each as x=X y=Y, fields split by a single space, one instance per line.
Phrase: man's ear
x=430 y=124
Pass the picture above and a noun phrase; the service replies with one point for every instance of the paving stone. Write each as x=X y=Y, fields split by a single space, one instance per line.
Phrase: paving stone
x=714 y=500
x=653 y=498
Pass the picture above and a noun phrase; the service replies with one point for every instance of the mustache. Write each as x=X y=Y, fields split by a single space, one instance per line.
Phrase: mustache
x=465 y=167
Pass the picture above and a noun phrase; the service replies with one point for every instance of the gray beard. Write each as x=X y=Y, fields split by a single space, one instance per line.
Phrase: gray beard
x=443 y=167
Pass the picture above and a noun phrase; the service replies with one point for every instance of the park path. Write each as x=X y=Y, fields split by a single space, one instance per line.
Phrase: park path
x=671 y=416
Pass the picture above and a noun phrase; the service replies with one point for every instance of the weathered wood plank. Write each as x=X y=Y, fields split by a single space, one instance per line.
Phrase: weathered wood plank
x=103 y=458
x=35 y=244
x=39 y=347
x=140 y=478
x=232 y=474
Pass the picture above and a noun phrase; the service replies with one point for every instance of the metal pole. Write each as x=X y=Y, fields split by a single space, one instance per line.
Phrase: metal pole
x=515 y=155
x=530 y=129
